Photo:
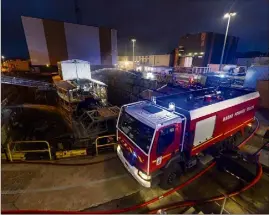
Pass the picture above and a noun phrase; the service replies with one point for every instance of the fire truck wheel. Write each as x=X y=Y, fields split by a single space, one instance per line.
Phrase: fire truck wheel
x=170 y=176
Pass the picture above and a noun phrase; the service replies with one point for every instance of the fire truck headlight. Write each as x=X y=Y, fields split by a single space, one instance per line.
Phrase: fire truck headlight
x=118 y=148
x=144 y=176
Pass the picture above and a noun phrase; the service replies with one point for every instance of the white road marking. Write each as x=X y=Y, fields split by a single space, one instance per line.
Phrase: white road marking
x=223 y=208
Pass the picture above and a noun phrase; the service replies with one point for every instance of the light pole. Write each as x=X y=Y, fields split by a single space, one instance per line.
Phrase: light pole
x=227 y=15
x=133 y=41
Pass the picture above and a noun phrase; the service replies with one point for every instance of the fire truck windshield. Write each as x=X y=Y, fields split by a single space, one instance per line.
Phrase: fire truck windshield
x=138 y=132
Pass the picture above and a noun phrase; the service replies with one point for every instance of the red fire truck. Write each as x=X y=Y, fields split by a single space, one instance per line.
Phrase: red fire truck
x=160 y=139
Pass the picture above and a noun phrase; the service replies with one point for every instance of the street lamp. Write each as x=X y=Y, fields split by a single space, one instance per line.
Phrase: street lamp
x=133 y=41
x=227 y=15
x=3 y=57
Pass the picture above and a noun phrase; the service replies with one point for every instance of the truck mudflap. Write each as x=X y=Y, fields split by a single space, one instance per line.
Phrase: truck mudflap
x=240 y=165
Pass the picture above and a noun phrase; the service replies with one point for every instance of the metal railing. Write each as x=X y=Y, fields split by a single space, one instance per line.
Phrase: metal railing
x=15 y=152
x=11 y=148
x=201 y=70
x=193 y=70
x=111 y=141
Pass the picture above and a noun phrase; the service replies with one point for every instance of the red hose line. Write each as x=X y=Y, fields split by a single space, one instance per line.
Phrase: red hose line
x=132 y=208
x=252 y=134
x=212 y=199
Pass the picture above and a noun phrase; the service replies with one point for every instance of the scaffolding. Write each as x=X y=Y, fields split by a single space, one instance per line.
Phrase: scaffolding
x=99 y=121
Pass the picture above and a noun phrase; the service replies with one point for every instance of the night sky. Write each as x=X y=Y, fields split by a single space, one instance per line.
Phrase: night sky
x=156 y=24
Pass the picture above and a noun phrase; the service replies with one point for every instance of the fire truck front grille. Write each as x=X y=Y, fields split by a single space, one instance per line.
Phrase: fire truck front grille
x=129 y=157
x=126 y=153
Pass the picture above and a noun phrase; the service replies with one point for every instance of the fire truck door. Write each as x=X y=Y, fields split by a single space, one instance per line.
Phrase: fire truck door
x=167 y=142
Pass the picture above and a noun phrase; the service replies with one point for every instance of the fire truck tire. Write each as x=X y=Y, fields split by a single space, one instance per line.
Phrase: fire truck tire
x=170 y=176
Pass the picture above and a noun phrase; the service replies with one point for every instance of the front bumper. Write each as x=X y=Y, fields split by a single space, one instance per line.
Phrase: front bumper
x=133 y=170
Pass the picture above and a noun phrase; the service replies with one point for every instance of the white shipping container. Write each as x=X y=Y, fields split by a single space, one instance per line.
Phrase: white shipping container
x=75 y=69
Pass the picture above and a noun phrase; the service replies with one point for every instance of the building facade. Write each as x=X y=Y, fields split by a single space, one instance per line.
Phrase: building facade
x=50 y=41
x=205 y=48
x=253 y=61
x=150 y=60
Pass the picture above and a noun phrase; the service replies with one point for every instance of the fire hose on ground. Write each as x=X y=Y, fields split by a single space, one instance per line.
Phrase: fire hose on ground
x=212 y=199
x=164 y=207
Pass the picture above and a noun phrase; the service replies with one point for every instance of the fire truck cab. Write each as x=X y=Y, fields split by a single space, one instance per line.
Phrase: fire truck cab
x=159 y=139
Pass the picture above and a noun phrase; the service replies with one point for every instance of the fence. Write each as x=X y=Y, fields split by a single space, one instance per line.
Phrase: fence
x=16 y=151
x=109 y=139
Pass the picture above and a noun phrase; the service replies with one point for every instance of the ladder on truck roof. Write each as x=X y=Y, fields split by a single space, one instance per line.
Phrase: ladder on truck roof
x=188 y=101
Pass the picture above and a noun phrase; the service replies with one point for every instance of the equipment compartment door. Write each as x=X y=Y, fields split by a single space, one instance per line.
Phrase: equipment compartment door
x=204 y=130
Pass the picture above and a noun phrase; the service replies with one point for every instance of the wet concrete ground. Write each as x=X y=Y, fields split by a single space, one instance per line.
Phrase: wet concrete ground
x=211 y=184
x=27 y=186
x=108 y=186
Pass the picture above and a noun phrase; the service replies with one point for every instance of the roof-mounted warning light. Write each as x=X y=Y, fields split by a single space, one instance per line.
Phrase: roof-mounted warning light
x=172 y=106
x=153 y=99
x=208 y=98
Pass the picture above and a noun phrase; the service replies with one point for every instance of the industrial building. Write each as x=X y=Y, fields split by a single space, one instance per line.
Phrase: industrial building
x=148 y=60
x=205 y=48
x=154 y=60
x=50 y=41
x=15 y=65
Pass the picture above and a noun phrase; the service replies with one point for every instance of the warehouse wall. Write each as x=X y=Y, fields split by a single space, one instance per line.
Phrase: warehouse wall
x=114 y=46
x=105 y=46
x=51 y=41
x=83 y=43
x=36 y=41
x=56 y=42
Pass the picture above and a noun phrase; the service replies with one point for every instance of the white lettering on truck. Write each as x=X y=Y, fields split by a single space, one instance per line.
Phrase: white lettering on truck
x=230 y=116
x=250 y=108
x=240 y=112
